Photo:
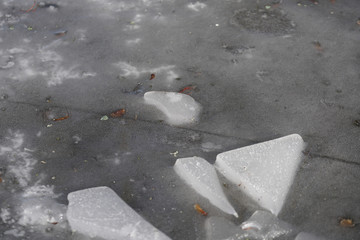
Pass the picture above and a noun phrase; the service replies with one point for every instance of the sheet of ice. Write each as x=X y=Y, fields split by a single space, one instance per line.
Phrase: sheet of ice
x=100 y=212
x=308 y=236
x=201 y=176
x=261 y=225
x=178 y=108
x=264 y=171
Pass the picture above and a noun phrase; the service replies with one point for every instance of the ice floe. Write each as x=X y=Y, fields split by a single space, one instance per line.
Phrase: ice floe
x=264 y=171
x=201 y=176
x=100 y=212
x=178 y=108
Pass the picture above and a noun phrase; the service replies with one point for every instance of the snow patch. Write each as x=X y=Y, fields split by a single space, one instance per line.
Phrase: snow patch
x=197 y=6
x=129 y=70
x=21 y=162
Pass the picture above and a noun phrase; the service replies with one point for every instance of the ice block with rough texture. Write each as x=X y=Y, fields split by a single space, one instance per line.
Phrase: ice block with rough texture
x=264 y=171
x=100 y=212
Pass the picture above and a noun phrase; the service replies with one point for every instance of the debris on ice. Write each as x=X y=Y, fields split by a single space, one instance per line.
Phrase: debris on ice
x=264 y=171
x=100 y=212
x=178 y=108
x=201 y=176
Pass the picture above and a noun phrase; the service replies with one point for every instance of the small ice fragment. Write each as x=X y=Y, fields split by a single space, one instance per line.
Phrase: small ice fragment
x=261 y=225
x=220 y=228
x=264 y=171
x=201 y=176
x=308 y=236
x=266 y=225
x=100 y=212
x=178 y=108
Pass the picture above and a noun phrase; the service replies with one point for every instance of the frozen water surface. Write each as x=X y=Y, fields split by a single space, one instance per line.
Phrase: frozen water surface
x=264 y=171
x=201 y=176
x=259 y=69
x=100 y=212
x=178 y=108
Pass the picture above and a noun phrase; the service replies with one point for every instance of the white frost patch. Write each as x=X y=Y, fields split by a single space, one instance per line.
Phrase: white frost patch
x=41 y=211
x=15 y=232
x=21 y=162
x=132 y=71
x=133 y=41
x=178 y=108
x=114 y=6
x=100 y=212
x=197 y=6
x=77 y=139
x=201 y=176
x=5 y=216
x=209 y=147
x=42 y=61
x=40 y=191
x=264 y=171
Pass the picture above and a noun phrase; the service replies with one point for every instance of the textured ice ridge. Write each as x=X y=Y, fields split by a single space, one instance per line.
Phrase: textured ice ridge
x=178 y=108
x=264 y=171
x=201 y=175
x=100 y=212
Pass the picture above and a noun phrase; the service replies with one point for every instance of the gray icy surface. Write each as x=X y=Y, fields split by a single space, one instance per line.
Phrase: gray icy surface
x=259 y=74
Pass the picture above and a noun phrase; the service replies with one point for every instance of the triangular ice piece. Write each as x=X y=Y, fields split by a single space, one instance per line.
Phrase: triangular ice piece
x=201 y=176
x=100 y=212
x=264 y=171
x=178 y=108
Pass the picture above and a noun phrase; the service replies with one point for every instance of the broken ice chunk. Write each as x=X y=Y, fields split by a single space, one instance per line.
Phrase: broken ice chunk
x=261 y=225
x=264 y=171
x=99 y=212
x=307 y=236
x=178 y=108
x=220 y=228
x=266 y=225
x=201 y=175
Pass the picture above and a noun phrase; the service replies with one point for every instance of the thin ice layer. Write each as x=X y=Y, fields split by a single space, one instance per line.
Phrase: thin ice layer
x=201 y=176
x=261 y=225
x=264 y=171
x=100 y=212
x=178 y=108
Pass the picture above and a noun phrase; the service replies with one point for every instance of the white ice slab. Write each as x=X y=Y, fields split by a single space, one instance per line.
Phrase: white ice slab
x=264 y=171
x=178 y=108
x=201 y=176
x=308 y=236
x=100 y=212
x=261 y=225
